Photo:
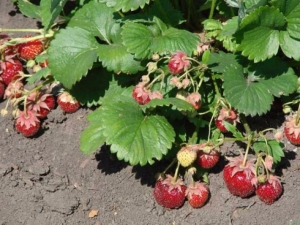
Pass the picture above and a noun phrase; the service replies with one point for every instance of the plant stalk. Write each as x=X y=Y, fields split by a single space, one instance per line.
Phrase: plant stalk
x=212 y=9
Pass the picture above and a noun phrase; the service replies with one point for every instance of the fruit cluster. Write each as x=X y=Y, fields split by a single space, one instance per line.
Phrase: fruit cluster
x=30 y=106
x=242 y=177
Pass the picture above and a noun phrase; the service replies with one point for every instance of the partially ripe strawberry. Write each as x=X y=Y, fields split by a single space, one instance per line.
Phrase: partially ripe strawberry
x=208 y=156
x=10 y=70
x=178 y=63
x=30 y=49
x=14 y=90
x=197 y=194
x=40 y=103
x=186 y=156
x=27 y=123
x=238 y=178
x=9 y=50
x=44 y=64
x=67 y=102
x=269 y=191
x=141 y=95
x=227 y=115
x=169 y=193
x=194 y=99
x=292 y=130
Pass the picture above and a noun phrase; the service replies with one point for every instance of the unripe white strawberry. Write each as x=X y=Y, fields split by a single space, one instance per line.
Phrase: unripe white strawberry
x=186 y=156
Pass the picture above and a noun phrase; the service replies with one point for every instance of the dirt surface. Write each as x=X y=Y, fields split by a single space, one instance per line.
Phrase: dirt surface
x=46 y=180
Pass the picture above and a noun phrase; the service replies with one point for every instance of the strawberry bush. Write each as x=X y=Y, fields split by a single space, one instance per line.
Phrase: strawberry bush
x=169 y=79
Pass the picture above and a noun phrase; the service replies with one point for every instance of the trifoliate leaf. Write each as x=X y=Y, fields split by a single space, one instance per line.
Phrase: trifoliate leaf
x=175 y=102
x=143 y=41
x=135 y=138
x=259 y=34
x=272 y=148
x=71 y=54
x=92 y=137
x=28 y=9
x=96 y=18
x=251 y=90
x=50 y=10
x=126 y=5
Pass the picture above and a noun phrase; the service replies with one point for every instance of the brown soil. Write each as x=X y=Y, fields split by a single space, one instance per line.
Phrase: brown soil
x=46 y=180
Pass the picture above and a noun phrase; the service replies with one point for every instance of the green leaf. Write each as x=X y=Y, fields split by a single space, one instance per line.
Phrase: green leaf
x=259 y=34
x=50 y=10
x=291 y=10
x=165 y=11
x=272 y=148
x=71 y=54
x=92 y=137
x=143 y=41
x=253 y=4
x=116 y=58
x=28 y=9
x=231 y=128
x=136 y=138
x=96 y=18
x=126 y=5
x=289 y=46
x=91 y=88
x=219 y=61
x=251 y=92
x=43 y=73
x=175 y=102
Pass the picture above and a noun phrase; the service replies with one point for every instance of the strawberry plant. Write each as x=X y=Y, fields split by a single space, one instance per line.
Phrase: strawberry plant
x=165 y=81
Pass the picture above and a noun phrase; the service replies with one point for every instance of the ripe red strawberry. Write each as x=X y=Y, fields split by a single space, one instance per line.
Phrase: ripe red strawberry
x=30 y=49
x=40 y=103
x=178 y=63
x=10 y=70
x=269 y=191
x=186 y=156
x=2 y=88
x=238 y=178
x=292 y=130
x=209 y=159
x=197 y=194
x=67 y=102
x=169 y=193
x=141 y=95
x=227 y=115
x=27 y=123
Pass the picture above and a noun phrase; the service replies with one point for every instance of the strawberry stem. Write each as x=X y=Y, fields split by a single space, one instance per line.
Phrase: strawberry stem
x=247 y=150
x=15 y=41
x=298 y=115
x=21 y=30
x=245 y=124
x=212 y=9
x=176 y=172
x=170 y=165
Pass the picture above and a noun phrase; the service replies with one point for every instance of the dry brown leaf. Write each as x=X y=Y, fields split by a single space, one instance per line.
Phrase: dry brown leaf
x=93 y=213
